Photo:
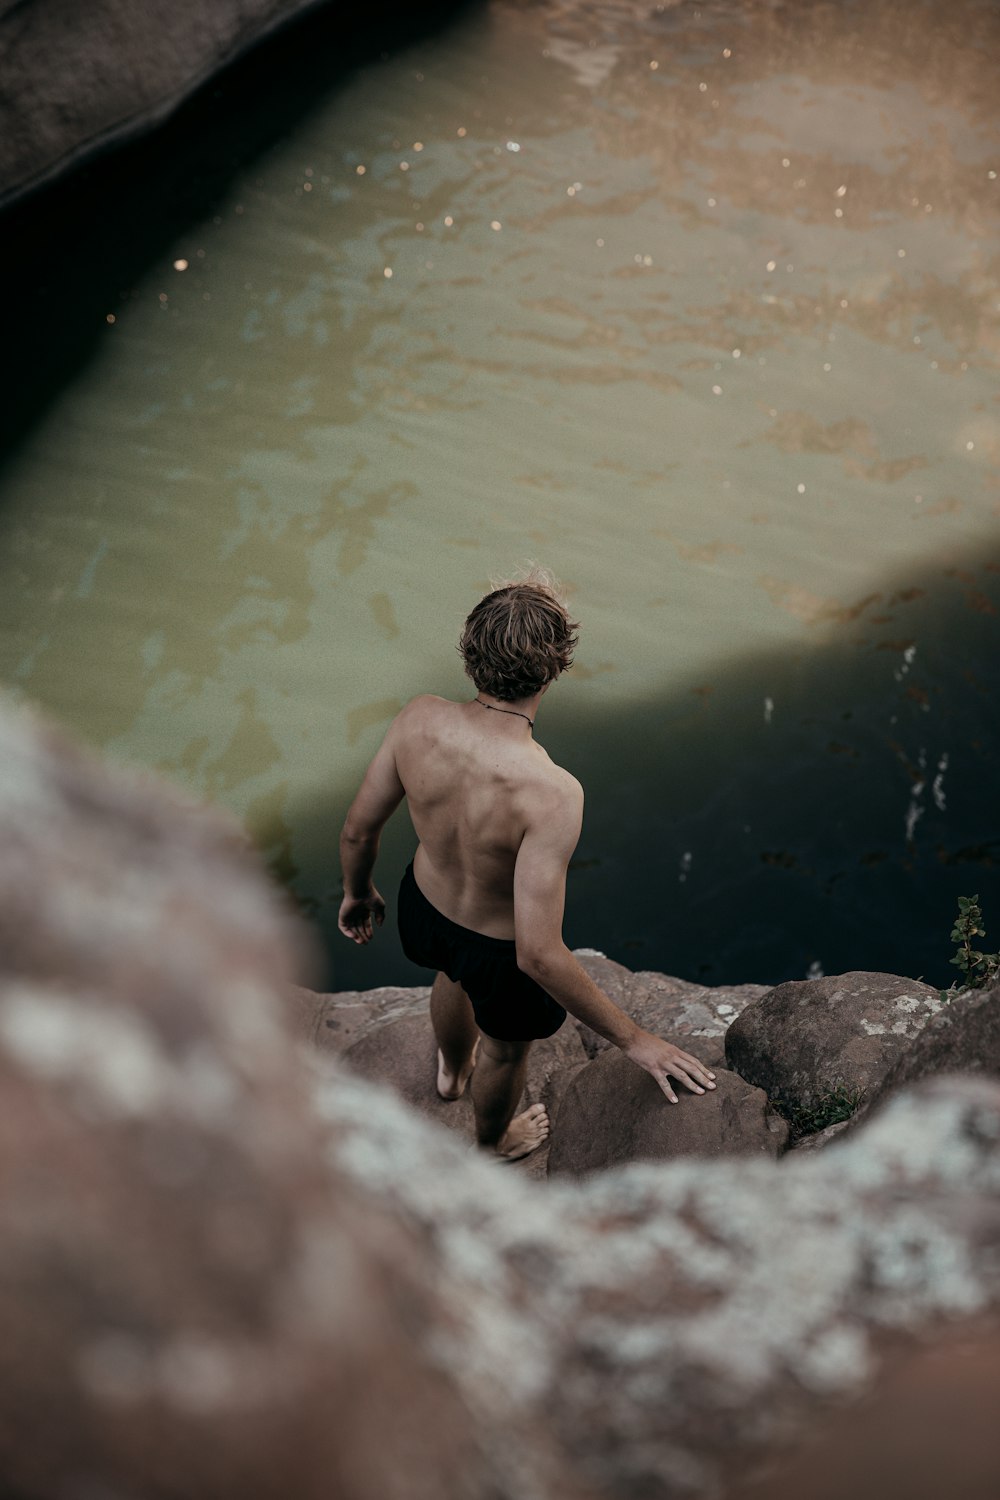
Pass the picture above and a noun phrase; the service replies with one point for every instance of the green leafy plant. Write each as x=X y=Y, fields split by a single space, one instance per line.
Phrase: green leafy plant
x=830 y=1107
x=977 y=968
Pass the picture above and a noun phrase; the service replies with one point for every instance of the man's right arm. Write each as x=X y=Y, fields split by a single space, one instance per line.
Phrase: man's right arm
x=539 y=901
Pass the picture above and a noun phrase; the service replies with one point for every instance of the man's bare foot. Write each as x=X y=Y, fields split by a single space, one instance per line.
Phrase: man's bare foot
x=524 y=1134
x=448 y=1085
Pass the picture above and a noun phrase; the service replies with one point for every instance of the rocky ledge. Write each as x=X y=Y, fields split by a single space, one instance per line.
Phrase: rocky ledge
x=78 y=79
x=796 y=1065
x=233 y=1264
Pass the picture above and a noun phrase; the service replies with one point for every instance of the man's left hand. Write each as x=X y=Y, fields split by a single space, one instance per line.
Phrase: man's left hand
x=359 y=916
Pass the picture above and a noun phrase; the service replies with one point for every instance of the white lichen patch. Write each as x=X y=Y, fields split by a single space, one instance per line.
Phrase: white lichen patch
x=472 y=1208
x=838 y=1359
x=917 y=1263
x=800 y=1262
x=872 y=1028
x=111 y=1056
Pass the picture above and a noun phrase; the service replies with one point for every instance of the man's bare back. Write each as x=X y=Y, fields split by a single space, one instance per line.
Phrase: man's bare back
x=475 y=788
x=497 y=823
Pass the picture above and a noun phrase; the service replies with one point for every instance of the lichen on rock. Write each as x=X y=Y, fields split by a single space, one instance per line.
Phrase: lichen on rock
x=231 y=1265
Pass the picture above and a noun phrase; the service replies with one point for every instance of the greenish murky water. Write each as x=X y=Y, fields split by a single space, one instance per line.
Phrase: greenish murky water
x=698 y=306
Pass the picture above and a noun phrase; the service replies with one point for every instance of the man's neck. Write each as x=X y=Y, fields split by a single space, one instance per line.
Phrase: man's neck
x=517 y=710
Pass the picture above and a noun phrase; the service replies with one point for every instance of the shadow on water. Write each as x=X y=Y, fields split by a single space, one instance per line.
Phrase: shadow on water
x=815 y=806
x=75 y=249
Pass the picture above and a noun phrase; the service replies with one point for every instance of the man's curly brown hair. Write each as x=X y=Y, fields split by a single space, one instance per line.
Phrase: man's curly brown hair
x=518 y=639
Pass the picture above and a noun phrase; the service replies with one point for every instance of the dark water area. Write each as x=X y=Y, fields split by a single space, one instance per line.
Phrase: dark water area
x=792 y=813
x=695 y=304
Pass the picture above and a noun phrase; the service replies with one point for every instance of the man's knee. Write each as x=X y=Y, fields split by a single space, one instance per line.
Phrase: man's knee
x=504 y=1051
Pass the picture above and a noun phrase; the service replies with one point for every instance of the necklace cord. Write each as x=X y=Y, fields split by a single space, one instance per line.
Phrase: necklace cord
x=513 y=711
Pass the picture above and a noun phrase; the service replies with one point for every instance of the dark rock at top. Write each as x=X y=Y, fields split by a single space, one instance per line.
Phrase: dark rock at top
x=78 y=78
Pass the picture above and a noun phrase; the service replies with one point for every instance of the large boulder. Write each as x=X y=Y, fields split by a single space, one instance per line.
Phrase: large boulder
x=679 y=1322
x=385 y=1035
x=613 y=1112
x=348 y=1016
x=964 y=1036
x=80 y=78
x=929 y=1430
x=191 y=1305
x=806 y=1040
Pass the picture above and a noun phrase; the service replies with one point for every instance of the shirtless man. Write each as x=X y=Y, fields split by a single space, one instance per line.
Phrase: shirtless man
x=482 y=902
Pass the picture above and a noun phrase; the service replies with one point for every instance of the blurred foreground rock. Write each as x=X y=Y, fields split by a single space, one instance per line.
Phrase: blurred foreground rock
x=231 y=1266
x=678 y=1324
x=190 y=1306
x=931 y=1431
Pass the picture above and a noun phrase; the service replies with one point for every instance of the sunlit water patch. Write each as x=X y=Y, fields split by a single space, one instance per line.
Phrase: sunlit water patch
x=699 y=306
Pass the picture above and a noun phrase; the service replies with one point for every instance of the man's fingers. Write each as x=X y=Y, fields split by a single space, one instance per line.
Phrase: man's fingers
x=697 y=1069
x=682 y=1077
x=664 y=1083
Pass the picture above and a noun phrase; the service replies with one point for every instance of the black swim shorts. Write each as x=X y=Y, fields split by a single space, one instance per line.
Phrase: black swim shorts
x=508 y=1004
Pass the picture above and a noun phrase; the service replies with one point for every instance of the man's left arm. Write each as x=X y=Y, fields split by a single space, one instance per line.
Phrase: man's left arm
x=380 y=794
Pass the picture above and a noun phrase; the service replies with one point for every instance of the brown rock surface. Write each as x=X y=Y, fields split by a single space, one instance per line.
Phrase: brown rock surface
x=395 y=1045
x=350 y=1015
x=613 y=1112
x=191 y=1304
x=964 y=1036
x=928 y=1430
x=232 y=1267
x=822 y=1138
x=805 y=1037
x=676 y=1321
x=669 y=1007
x=385 y=1034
